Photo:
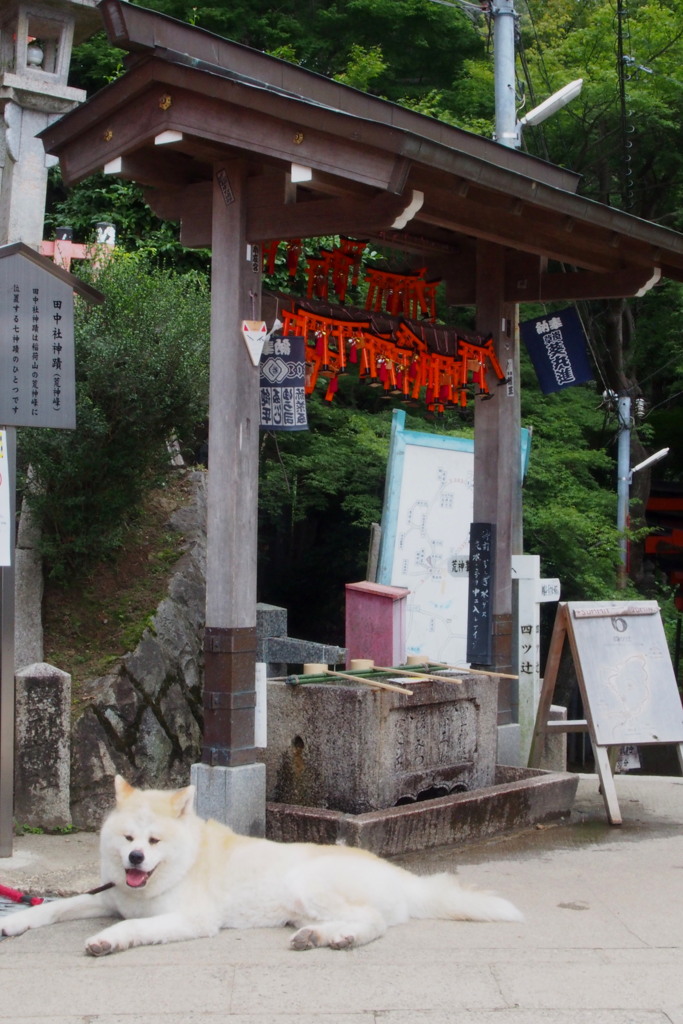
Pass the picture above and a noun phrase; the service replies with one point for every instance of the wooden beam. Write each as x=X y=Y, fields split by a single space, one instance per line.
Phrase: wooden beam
x=497 y=458
x=270 y=216
x=167 y=170
x=486 y=222
x=219 y=124
x=581 y=285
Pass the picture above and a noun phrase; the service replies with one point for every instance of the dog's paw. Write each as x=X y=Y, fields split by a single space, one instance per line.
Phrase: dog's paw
x=15 y=924
x=310 y=938
x=306 y=938
x=99 y=947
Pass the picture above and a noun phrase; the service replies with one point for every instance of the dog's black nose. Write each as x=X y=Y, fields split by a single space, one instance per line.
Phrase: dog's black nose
x=136 y=856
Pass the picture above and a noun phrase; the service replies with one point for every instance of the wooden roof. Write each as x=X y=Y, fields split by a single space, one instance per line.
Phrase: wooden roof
x=190 y=101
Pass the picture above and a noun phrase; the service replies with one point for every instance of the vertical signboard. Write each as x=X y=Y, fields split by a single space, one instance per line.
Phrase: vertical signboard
x=480 y=604
x=37 y=372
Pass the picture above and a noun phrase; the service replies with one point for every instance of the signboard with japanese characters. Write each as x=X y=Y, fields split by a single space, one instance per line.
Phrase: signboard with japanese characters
x=282 y=384
x=557 y=347
x=480 y=604
x=37 y=374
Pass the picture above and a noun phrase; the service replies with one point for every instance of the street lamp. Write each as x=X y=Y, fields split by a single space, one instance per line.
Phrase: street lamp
x=661 y=454
x=550 y=106
x=625 y=478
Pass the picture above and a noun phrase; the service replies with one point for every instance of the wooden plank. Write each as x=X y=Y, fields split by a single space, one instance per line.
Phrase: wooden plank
x=582 y=285
x=607 y=787
x=570 y=725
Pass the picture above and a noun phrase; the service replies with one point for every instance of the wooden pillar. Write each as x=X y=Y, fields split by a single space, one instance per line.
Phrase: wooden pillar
x=497 y=455
x=230 y=637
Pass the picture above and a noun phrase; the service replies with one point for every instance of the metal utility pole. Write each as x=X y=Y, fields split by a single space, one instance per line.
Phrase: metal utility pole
x=507 y=131
x=623 y=480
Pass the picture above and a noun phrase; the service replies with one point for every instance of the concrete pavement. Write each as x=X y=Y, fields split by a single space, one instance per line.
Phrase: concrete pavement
x=602 y=942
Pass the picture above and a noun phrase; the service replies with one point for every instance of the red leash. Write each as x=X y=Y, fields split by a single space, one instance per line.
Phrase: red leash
x=19 y=897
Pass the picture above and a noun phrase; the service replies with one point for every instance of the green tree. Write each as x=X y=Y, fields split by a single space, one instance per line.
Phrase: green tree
x=569 y=492
x=141 y=379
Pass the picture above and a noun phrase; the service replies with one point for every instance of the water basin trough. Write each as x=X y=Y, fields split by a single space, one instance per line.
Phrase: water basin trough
x=397 y=772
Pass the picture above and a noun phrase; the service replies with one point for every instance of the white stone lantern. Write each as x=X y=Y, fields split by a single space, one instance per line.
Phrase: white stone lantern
x=36 y=40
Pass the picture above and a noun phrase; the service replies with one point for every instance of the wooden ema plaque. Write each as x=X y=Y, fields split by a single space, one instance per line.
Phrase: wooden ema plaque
x=626 y=680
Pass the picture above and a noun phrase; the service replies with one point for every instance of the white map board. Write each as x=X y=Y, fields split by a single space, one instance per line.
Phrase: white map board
x=424 y=546
x=425 y=537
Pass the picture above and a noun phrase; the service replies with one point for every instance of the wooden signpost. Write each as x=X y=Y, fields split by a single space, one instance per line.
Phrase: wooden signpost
x=626 y=680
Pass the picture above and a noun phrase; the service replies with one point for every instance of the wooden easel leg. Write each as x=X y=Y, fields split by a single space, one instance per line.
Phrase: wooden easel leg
x=607 y=788
x=548 y=688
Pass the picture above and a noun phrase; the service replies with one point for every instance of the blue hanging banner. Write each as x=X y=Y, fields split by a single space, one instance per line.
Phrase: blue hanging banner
x=557 y=346
x=282 y=384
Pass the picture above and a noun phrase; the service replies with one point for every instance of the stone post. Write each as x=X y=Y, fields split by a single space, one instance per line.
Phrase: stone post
x=43 y=748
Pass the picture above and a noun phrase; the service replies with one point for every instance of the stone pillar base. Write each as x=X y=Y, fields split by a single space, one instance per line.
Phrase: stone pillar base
x=234 y=796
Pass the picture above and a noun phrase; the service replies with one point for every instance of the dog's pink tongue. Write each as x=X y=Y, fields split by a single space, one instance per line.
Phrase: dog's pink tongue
x=135 y=878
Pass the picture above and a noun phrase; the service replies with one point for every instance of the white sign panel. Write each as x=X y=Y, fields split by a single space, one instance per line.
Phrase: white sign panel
x=37 y=371
x=425 y=538
x=5 y=504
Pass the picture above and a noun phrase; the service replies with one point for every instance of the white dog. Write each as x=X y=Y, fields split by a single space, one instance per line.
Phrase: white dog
x=174 y=876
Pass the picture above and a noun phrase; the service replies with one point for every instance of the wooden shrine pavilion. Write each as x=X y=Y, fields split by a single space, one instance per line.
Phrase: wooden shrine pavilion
x=242 y=148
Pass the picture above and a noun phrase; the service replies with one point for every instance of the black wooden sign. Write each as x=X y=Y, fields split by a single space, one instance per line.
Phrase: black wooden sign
x=480 y=601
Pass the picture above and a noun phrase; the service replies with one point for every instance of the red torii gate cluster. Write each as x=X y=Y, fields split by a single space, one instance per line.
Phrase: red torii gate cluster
x=400 y=362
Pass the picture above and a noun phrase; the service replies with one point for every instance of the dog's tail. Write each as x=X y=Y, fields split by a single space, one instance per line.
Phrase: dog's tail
x=442 y=896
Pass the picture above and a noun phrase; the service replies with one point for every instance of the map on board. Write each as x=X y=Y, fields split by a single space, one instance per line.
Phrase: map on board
x=425 y=537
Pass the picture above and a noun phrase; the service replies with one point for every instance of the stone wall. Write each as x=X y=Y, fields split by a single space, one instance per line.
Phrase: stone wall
x=143 y=720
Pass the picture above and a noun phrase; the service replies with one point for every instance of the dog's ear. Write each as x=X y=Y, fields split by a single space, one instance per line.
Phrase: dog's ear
x=122 y=788
x=182 y=801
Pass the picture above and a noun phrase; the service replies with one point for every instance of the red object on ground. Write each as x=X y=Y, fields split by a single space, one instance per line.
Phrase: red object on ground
x=19 y=897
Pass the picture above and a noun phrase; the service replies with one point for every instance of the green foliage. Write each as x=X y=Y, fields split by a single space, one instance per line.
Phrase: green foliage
x=397 y=48
x=363 y=68
x=569 y=493
x=319 y=492
x=141 y=378
x=628 y=154
x=102 y=197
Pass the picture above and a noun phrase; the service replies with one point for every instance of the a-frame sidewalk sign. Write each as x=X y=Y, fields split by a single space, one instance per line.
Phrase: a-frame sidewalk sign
x=626 y=681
